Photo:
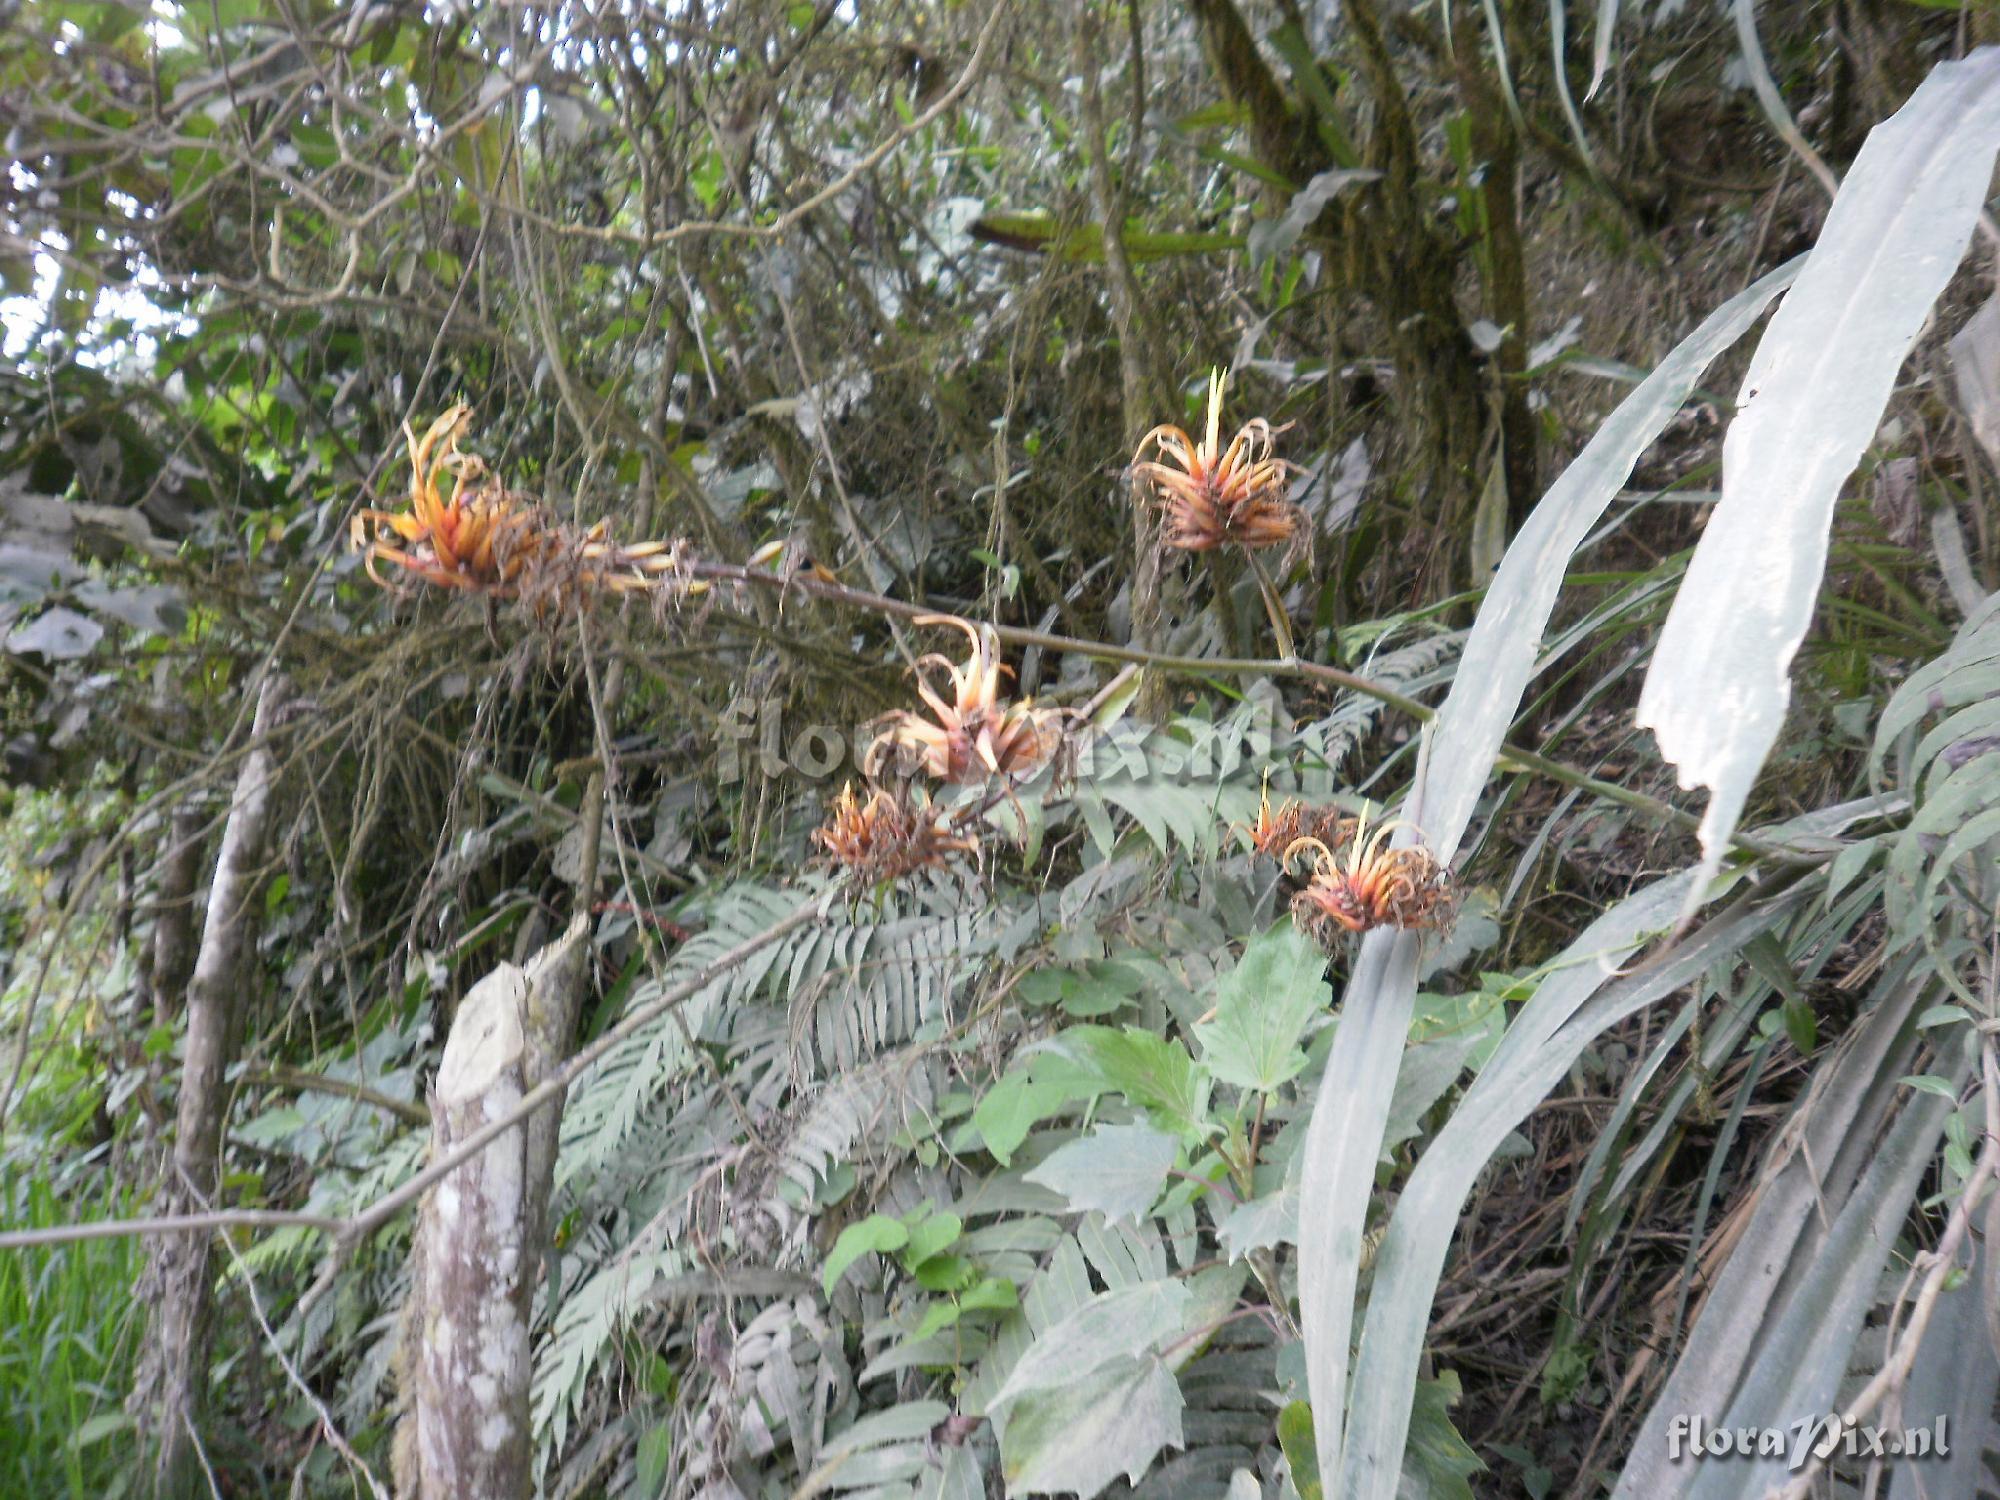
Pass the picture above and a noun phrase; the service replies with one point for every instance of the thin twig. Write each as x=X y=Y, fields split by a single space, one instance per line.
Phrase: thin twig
x=351 y=1231
x=326 y=1422
x=317 y=1083
x=1205 y=666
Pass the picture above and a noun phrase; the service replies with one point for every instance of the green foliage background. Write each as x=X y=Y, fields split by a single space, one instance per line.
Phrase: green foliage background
x=989 y=1182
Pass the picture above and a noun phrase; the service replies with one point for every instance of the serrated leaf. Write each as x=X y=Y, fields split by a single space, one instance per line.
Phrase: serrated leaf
x=1260 y=1224
x=1116 y=1325
x=1155 y=1072
x=1064 y=1441
x=1118 y=1171
x=1262 y=1007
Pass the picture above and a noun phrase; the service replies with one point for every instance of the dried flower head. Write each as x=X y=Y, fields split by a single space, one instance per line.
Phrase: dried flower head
x=1376 y=887
x=974 y=732
x=1278 y=830
x=886 y=838
x=1213 y=496
x=488 y=539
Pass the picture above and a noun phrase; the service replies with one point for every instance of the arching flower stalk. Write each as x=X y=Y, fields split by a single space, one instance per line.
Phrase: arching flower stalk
x=973 y=731
x=1211 y=496
x=1376 y=886
x=887 y=837
x=487 y=539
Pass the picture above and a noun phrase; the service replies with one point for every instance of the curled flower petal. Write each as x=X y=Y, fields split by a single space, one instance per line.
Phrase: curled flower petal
x=1210 y=496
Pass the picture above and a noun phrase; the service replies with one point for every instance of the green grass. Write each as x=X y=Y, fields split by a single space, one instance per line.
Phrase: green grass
x=67 y=1338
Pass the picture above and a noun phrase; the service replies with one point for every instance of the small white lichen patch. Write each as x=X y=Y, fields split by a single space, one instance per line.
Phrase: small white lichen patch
x=495 y=1430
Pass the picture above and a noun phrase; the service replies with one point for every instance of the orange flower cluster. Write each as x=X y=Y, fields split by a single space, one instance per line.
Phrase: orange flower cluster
x=1276 y=832
x=1376 y=887
x=974 y=732
x=886 y=838
x=485 y=538
x=1213 y=496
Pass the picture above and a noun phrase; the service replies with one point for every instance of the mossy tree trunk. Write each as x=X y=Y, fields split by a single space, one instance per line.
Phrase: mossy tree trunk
x=1387 y=249
x=169 y=1385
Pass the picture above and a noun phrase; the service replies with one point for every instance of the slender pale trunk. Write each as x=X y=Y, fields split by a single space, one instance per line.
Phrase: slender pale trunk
x=465 y=1432
x=465 y=1364
x=473 y=1284
x=173 y=1369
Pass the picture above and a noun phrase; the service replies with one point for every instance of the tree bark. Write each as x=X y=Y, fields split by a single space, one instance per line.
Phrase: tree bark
x=465 y=1367
x=1380 y=239
x=169 y=1385
x=467 y=1434
x=172 y=949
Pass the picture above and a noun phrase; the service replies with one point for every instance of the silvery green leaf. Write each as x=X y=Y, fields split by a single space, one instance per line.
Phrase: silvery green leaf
x=1262 y=1007
x=1260 y=1224
x=1118 y=1171
x=1066 y=1441
x=1115 y=1325
x=1719 y=685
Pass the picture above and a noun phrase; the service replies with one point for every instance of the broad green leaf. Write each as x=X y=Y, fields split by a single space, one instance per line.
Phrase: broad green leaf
x=953 y=1475
x=1037 y=231
x=1262 y=1007
x=1118 y=1170
x=1070 y=1441
x=1030 y=1093
x=1152 y=1071
x=1260 y=1224
x=930 y=1236
x=1296 y=1438
x=1113 y=1326
x=656 y=1448
x=990 y=1294
x=1442 y=1460
x=1929 y=1083
x=877 y=1232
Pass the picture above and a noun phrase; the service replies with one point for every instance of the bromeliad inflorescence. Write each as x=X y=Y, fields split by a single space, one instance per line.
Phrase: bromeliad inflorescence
x=486 y=538
x=888 y=836
x=975 y=733
x=1277 y=830
x=1211 y=496
x=1376 y=886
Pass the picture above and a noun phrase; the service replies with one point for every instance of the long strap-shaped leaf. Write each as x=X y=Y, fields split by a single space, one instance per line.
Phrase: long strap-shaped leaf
x=1719 y=684
x=1338 y=1173
x=1579 y=1003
